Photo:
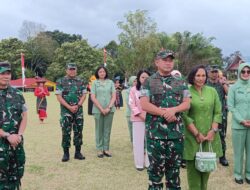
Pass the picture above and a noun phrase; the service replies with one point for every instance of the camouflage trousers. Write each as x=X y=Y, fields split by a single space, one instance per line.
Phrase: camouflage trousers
x=223 y=132
x=12 y=161
x=69 y=121
x=165 y=158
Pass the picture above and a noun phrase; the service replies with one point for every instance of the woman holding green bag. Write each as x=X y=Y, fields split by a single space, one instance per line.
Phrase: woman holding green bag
x=201 y=125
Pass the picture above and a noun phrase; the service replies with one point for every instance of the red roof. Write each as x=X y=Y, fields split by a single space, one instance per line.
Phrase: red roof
x=29 y=82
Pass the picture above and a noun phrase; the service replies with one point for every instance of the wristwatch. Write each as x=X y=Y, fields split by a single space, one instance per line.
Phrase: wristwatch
x=215 y=130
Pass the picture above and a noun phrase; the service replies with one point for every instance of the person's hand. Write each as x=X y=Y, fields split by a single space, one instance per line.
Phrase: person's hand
x=169 y=114
x=106 y=110
x=103 y=111
x=210 y=135
x=200 y=138
x=246 y=123
x=223 y=80
x=73 y=109
x=142 y=116
x=14 y=140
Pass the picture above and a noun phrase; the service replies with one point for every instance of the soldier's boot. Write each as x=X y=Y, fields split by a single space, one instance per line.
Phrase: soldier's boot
x=65 y=157
x=78 y=154
x=223 y=160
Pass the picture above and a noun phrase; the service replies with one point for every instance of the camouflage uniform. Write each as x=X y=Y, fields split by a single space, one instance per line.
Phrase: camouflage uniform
x=223 y=126
x=164 y=140
x=12 y=160
x=71 y=90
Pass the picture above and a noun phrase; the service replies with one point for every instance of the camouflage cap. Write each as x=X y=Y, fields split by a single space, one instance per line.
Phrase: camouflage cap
x=5 y=66
x=213 y=68
x=164 y=54
x=71 y=66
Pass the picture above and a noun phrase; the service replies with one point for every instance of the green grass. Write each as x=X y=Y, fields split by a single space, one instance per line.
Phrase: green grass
x=45 y=171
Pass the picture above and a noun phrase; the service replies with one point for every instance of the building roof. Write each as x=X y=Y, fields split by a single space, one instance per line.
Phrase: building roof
x=234 y=63
x=29 y=83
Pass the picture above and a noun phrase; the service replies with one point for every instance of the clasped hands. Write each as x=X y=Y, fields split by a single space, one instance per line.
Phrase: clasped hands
x=105 y=111
x=201 y=138
x=14 y=140
x=169 y=114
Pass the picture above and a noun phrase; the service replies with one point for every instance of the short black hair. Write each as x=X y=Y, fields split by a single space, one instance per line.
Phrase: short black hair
x=193 y=72
x=138 y=84
x=97 y=70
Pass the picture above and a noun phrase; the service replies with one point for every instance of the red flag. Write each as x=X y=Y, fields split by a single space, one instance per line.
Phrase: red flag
x=23 y=68
x=104 y=56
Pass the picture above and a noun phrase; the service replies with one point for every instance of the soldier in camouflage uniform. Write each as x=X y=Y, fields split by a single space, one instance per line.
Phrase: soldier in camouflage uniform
x=71 y=94
x=13 y=119
x=164 y=97
x=222 y=88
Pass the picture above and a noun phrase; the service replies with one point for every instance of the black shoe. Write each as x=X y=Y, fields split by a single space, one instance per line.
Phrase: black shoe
x=248 y=181
x=65 y=157
x=140 y=169
x=100 y=155
x=107 y=154
x=183 y=164
x=223 y=161
x=239 y=181
x=79 y=156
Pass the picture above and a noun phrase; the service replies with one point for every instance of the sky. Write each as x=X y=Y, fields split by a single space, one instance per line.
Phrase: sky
x=96 y=20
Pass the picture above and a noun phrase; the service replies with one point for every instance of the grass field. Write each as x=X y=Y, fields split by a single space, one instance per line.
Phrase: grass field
x=45 y=171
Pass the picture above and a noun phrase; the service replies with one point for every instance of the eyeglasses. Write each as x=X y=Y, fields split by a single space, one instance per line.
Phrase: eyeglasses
x=245 y=71
x=72 y=69
x=215 y=71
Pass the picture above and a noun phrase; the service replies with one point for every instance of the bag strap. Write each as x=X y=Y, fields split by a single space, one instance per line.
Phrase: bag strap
x=210 y=147
x=200 y=149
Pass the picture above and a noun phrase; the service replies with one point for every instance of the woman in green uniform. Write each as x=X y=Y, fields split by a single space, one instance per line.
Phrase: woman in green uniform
x=201 y=125
x=103 y=96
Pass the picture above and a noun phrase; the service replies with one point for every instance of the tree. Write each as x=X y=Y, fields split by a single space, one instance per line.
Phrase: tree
x=138 y=42
x=40 y=53
x=191 y=49
x=30 y=29
x=79 y=52
x=10 y=50
x=61 y=37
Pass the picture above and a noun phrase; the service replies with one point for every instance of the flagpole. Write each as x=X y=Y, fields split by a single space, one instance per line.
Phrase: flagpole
x=104 y=57
x=23 y=70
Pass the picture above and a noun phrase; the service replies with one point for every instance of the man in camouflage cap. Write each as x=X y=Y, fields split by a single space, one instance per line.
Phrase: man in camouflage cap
x=221 y=86
x=13 y=119
x=71 y=93
x=164 y=97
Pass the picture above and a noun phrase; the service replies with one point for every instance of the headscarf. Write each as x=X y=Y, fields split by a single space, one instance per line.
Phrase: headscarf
x=240 y=81
x=131 y=80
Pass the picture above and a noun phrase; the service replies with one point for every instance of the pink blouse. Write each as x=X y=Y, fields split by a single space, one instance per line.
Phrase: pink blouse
x=135 y=106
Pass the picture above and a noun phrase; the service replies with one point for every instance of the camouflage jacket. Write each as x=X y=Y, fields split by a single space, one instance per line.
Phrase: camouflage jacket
x=222 y=95
x=12 y=105
x=71 y=90
x=164 y=92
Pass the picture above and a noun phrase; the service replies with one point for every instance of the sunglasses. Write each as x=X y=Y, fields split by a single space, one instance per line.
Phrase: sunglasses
x=72 y=69
x=215 y=71
x=245 y=71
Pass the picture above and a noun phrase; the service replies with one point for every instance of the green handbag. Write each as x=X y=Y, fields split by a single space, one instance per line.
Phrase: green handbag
x=205 y=161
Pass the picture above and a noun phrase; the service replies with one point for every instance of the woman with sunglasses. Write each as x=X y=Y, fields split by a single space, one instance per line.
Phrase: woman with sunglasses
x=238 y=104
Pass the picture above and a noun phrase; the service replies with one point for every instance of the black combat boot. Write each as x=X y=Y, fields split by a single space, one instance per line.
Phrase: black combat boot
x=223 y=160
x=78 y=154
x=65 y=157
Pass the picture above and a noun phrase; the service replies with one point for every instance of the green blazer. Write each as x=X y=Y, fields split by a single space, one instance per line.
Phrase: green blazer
x=205 y=109
x=103 y=92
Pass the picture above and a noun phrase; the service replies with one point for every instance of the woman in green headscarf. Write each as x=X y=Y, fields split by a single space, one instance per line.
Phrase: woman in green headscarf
x=238 y=104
